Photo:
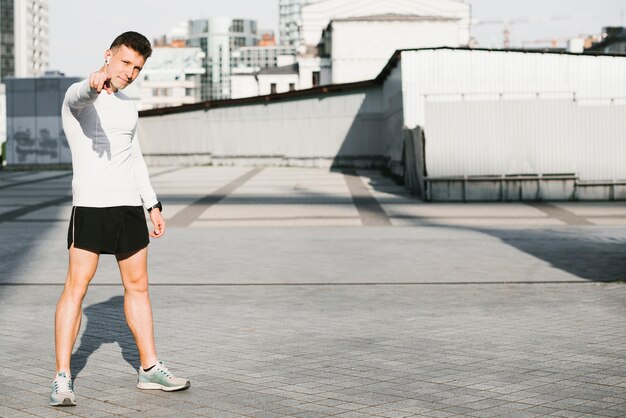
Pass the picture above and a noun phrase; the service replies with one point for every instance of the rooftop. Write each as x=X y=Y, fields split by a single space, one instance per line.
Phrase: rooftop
x=396 y=17
x=326 y=89
x=285 y=69
x=277 y=296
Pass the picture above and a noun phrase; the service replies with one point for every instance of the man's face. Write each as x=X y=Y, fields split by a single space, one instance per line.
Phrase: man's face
x=124 y=65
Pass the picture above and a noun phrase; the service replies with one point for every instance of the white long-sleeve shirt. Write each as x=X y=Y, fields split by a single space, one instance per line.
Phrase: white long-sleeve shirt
x=101 y=129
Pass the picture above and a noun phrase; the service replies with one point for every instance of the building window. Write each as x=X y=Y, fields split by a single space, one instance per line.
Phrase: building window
x=161 y=92
x=292 y=86
x=239 y=41
x=237 y=26
x=316 y=78
x=273 y=88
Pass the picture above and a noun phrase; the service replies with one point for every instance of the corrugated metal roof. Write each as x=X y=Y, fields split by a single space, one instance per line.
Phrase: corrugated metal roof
x=396 y=17
x=296 y=94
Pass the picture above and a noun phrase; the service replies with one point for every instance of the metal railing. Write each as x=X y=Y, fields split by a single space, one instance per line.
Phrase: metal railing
x=502 y=179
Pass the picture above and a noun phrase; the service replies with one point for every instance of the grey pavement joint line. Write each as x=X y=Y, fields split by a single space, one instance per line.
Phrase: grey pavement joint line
x=160 y=173
x=282 y=218
x=22 y=183
x=192 y=212
x=16 y=213
x=44 y=221
x=561 y=214
x=326 y=284
x=370 y=211
x=5 y=176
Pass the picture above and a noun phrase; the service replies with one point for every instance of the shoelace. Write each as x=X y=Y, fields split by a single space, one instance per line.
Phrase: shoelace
x=63 y=385
x=162 y=369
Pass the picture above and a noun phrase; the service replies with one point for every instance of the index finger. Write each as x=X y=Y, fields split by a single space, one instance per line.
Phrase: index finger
x=107 y=85
x=100 y=83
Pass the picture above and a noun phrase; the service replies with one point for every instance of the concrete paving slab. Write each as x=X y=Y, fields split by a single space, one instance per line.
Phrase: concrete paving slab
x=452 y=310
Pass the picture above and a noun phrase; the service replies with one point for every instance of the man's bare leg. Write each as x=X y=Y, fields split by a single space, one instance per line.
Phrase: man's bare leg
x=134 y=272
x=82 y=268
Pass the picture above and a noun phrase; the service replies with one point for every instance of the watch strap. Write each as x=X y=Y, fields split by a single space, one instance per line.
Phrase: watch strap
x=157 y=206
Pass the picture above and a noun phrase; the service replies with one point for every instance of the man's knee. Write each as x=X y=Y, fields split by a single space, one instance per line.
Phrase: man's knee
x=81 y=270
x=137 y=283
x=76 y=285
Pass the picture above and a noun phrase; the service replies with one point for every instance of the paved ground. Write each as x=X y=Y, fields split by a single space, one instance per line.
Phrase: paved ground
x=303 y=292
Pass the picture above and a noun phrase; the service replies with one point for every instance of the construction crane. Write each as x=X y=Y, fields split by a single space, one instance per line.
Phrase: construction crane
x=553 y=42
x=509 y=23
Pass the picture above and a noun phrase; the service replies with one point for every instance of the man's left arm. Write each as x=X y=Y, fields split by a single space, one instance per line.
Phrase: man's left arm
x=142 y=180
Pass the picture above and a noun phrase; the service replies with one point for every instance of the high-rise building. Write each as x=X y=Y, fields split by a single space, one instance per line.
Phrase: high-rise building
x=31 y=38
x=290 y=20
x=7 y=39
x=23 y=43
x=218 y=37
x=23 y=38
x=171 y=77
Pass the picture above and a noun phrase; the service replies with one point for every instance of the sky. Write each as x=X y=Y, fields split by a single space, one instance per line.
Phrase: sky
x=80 y=33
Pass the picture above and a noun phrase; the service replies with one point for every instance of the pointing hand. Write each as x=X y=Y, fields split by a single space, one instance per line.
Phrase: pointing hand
x=100 y=80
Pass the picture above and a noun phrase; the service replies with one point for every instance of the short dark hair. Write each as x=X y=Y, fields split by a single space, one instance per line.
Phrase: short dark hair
x=134 y=40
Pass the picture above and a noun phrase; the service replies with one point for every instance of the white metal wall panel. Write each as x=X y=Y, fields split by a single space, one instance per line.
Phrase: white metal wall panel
x=449 y=71
x=177 y=134
x=324 y=126
x=504 y=137
x=499 y=112
x=360 y=49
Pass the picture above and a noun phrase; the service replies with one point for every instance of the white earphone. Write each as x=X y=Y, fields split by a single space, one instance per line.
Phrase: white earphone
x=108 y=59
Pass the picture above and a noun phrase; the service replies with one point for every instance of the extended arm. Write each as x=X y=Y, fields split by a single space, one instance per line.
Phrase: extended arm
x=80 y=95
x=86 y=92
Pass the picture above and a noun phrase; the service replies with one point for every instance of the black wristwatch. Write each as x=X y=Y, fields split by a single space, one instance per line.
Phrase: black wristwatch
x=158 y=206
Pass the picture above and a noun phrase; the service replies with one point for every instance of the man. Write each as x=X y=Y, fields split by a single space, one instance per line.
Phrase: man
x=109 y=185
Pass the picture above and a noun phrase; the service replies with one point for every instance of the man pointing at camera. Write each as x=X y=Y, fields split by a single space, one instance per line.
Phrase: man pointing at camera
x=111 y=188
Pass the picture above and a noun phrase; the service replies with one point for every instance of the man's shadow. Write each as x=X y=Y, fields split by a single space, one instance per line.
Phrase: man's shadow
x=106 y=324
x=91 y=126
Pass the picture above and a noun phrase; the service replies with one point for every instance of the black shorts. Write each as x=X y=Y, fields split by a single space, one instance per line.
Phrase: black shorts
x=112 y=230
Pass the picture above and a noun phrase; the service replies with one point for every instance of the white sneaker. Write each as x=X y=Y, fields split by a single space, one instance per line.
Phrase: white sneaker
x=62 y=391
x=159 y=377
